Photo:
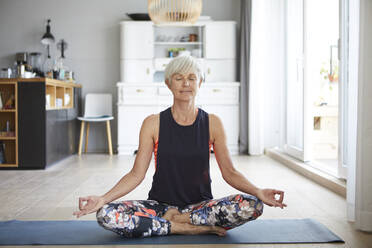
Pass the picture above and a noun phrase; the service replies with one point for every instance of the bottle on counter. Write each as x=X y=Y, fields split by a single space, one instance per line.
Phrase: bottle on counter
x=61 y=69
x=48 y=68
x=55 y=70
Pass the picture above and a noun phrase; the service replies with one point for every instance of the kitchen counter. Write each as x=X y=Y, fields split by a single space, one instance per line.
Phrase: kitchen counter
x=48 y=81
x=43 y=119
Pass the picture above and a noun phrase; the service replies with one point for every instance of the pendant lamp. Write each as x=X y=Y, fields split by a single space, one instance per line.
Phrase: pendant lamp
x=174 y=12
x=48 y=38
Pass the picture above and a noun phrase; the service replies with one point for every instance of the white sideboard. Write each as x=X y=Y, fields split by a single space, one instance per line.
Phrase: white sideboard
x=138 y=100
x=143 y=58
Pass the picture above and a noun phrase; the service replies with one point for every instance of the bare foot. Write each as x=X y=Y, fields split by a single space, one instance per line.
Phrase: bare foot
x=182 y=218
x=218 y=230
x=170 y=214
x=184 y=228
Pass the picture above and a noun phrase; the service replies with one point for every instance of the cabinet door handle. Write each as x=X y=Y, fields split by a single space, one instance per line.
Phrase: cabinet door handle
x=140 y=90
x=209 y=70
x=147 y=70
x=216 y=90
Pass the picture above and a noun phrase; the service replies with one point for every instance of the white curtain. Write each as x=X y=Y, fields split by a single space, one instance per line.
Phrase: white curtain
x=266 y=73
x=352 y=105
x=245 y=42
x=360 y=180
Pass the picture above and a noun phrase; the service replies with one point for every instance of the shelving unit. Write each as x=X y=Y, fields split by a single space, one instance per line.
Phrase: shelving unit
x=61 y=95
x=8 y=125
x=166 y=37
x=144 y=55
x=28 y=136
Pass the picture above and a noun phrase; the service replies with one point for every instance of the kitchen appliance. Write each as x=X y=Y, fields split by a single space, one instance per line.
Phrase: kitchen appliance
x=21 y=60
x=36 y=64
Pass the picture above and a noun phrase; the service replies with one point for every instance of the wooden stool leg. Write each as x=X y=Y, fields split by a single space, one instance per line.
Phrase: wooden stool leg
x=109 y=136
x=86 y=138
x=81 y=136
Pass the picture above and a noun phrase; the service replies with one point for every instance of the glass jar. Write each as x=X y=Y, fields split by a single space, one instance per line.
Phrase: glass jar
x=35 y=63
x=6 y=73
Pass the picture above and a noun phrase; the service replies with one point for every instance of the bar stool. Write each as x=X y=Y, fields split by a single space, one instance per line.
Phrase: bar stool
x=98 y=108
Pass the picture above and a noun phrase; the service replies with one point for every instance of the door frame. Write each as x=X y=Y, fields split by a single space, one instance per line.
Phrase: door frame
x=304 y=154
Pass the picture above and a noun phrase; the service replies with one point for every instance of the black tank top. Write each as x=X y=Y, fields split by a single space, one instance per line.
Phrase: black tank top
x=182 y=161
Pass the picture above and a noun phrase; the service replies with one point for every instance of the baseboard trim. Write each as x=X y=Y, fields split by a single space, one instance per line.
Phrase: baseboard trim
x=364 y=220
x=330 y=182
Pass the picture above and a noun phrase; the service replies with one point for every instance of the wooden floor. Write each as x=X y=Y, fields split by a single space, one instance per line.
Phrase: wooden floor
x=52 y=194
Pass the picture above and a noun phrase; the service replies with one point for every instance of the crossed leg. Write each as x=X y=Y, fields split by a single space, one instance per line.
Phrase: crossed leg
x=180 y=224
x=149 y=218
x=215 y=216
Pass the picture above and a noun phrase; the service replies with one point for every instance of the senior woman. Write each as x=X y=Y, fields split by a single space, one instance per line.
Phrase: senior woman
x=180 y=200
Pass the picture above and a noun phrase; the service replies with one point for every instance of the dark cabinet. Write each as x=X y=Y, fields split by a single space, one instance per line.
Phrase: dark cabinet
x=45 y=136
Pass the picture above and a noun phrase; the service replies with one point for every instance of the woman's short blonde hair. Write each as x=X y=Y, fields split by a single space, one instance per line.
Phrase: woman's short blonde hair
x=184 y=64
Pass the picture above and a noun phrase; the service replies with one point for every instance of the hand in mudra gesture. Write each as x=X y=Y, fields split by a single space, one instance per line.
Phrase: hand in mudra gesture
x=268 y=197
x=93 y=203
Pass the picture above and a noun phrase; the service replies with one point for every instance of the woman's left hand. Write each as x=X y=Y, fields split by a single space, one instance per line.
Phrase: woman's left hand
x=268 y=197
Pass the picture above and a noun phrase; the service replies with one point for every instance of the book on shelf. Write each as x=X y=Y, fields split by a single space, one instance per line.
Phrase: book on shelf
x=2 y=153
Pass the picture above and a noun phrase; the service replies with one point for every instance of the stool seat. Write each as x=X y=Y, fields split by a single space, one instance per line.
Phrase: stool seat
x=96 y=119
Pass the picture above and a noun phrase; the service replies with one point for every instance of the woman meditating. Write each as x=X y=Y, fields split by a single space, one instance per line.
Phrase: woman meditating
x=180 y=200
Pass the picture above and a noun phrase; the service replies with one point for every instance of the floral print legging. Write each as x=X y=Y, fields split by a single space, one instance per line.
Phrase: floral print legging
x=143 y=218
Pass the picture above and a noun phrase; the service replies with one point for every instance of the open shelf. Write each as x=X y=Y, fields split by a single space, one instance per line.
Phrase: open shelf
x=8 y=110
x=8 y=125
x=59 y=97
x=8 y=138
x=165 y=43
x=8 y=153
x=8 y=165
x=170 y=40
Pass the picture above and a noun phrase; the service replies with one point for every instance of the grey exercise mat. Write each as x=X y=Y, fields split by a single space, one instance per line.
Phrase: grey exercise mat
x=76 y=232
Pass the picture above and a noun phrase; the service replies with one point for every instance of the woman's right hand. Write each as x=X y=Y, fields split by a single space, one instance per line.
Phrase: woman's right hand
x=93 y=203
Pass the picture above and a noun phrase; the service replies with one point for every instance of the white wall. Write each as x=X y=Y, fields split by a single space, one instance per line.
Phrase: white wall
x=91 y=28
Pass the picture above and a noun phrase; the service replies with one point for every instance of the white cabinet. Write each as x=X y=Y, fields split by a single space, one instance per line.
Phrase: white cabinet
x=136 y=70
x=220 y=40
x=136 y=40
x=229 y=115
x=138 y=100
x=144 y=51
x=220 y=70
x=130 y=120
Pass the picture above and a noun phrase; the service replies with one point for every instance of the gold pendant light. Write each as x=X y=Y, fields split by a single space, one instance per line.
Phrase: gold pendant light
x=174 y=12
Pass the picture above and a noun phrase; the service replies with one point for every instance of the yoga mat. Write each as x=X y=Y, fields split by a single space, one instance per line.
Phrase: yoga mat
x=76 y=232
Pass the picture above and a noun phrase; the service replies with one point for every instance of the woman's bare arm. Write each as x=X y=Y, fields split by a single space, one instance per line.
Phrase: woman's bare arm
x=132 y=179
x=231 y=175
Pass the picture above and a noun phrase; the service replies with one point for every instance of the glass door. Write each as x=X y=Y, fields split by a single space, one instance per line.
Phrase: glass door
x=321 y=37
x=296 y=129
x=317 y=112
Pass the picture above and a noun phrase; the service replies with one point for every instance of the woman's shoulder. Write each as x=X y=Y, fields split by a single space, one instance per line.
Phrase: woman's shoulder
x=151 y=120
x=215 y=126
x=150 y=126
x=214 y=119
